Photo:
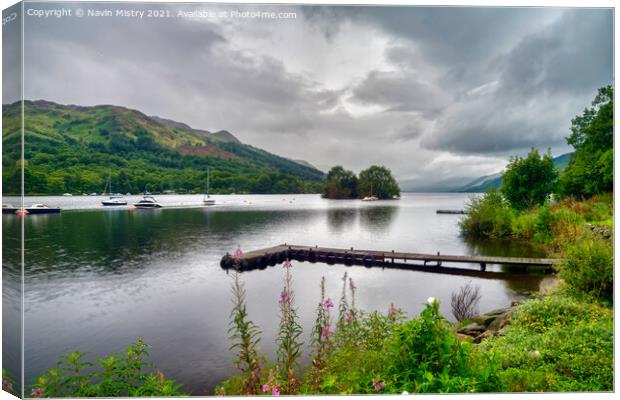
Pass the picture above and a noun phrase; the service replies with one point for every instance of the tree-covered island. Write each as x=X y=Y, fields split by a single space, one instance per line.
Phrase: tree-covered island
x=375 y=181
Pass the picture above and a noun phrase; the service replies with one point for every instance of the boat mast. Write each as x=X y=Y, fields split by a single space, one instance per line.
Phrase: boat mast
x=208 y=174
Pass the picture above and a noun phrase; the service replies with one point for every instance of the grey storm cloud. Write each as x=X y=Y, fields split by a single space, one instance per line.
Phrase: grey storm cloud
x=400 y=91
x=341 y=85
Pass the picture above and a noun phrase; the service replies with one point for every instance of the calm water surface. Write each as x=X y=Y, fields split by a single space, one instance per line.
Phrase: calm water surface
x=98 y=279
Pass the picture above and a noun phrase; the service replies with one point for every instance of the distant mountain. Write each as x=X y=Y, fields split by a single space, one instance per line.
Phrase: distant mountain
x=480 y=185
x=72 y=148
x=432 y=186
x=306 y=163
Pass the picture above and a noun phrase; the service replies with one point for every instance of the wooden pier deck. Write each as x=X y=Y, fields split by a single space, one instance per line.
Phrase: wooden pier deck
x=430 y=262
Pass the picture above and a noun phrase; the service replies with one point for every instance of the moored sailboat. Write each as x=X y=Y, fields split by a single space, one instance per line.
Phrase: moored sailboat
x=207 y=200
x=112 y=200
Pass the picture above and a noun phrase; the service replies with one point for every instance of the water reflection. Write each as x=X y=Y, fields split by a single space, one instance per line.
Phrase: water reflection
x=11 y=298
x=341 y=219
x=378 y=218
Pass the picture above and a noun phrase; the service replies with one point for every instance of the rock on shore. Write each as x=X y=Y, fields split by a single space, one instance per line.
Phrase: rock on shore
x=487 y=325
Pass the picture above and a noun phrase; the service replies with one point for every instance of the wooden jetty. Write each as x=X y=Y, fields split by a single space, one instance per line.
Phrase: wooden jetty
x=259 y=259
x=451 y=212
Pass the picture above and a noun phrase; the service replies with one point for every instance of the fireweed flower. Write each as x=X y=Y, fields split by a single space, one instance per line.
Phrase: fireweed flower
x=327 y=304
x=238 y=253
x=378 y=385
x=285 y=298
x=287 y=264
x=275 y=391
x=6 y=385
x=349 y=317
x=265 y=388
x=392 y=311
x=326 y=332
x=38 y=392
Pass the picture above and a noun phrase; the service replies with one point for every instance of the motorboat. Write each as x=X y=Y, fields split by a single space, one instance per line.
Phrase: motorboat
x=114 y=201
x=9 y=209
x=147 y=202
x=42 y=209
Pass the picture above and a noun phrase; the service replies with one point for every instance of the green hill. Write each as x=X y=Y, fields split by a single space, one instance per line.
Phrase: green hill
x=483 y=183
x=73 y=149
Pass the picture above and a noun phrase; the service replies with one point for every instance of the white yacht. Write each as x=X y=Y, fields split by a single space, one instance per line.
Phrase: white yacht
x=370 y=198
x=114 y=201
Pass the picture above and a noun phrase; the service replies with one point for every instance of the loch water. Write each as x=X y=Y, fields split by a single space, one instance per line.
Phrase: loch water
x=96 y=279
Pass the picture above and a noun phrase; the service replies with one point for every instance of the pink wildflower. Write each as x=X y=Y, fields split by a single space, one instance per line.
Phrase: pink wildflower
x=392 y=311
x=348 y=317
x=238 y=253
x=275 y=391
x=285 y=297
x=265 y=388
x=326 y=332
x=327 y=304
x=378 y=385
x=38 y=392
x=287 y=264
x=6 y=385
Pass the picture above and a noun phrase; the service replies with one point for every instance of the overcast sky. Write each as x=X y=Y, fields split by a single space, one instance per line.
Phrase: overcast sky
x=432 y=93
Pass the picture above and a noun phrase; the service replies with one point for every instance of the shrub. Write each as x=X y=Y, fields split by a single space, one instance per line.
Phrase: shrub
x=465 y=302
x=524 y=225
x=426 y=357
x=529 y=181
x=588 y=266
x=120 y=375
x=489 y=216
x=360 y=357
x=543 y=224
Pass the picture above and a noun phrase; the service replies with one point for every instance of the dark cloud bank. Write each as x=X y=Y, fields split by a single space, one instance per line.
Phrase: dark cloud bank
x=434 y=93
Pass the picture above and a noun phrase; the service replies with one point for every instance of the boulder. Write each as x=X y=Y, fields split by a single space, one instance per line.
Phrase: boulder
x=489 y=324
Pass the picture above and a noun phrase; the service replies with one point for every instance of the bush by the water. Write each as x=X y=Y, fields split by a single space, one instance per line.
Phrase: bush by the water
x=529 y=181
x=126 y=374
x=488 y=216
x=588 y=266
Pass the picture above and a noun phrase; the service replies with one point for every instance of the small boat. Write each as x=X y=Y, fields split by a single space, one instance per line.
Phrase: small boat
x=113 y=200
x=207 y=200
x=370 y=198
x=67 y=194
x=147 y=202
x=9 y=209
x=42 y=209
